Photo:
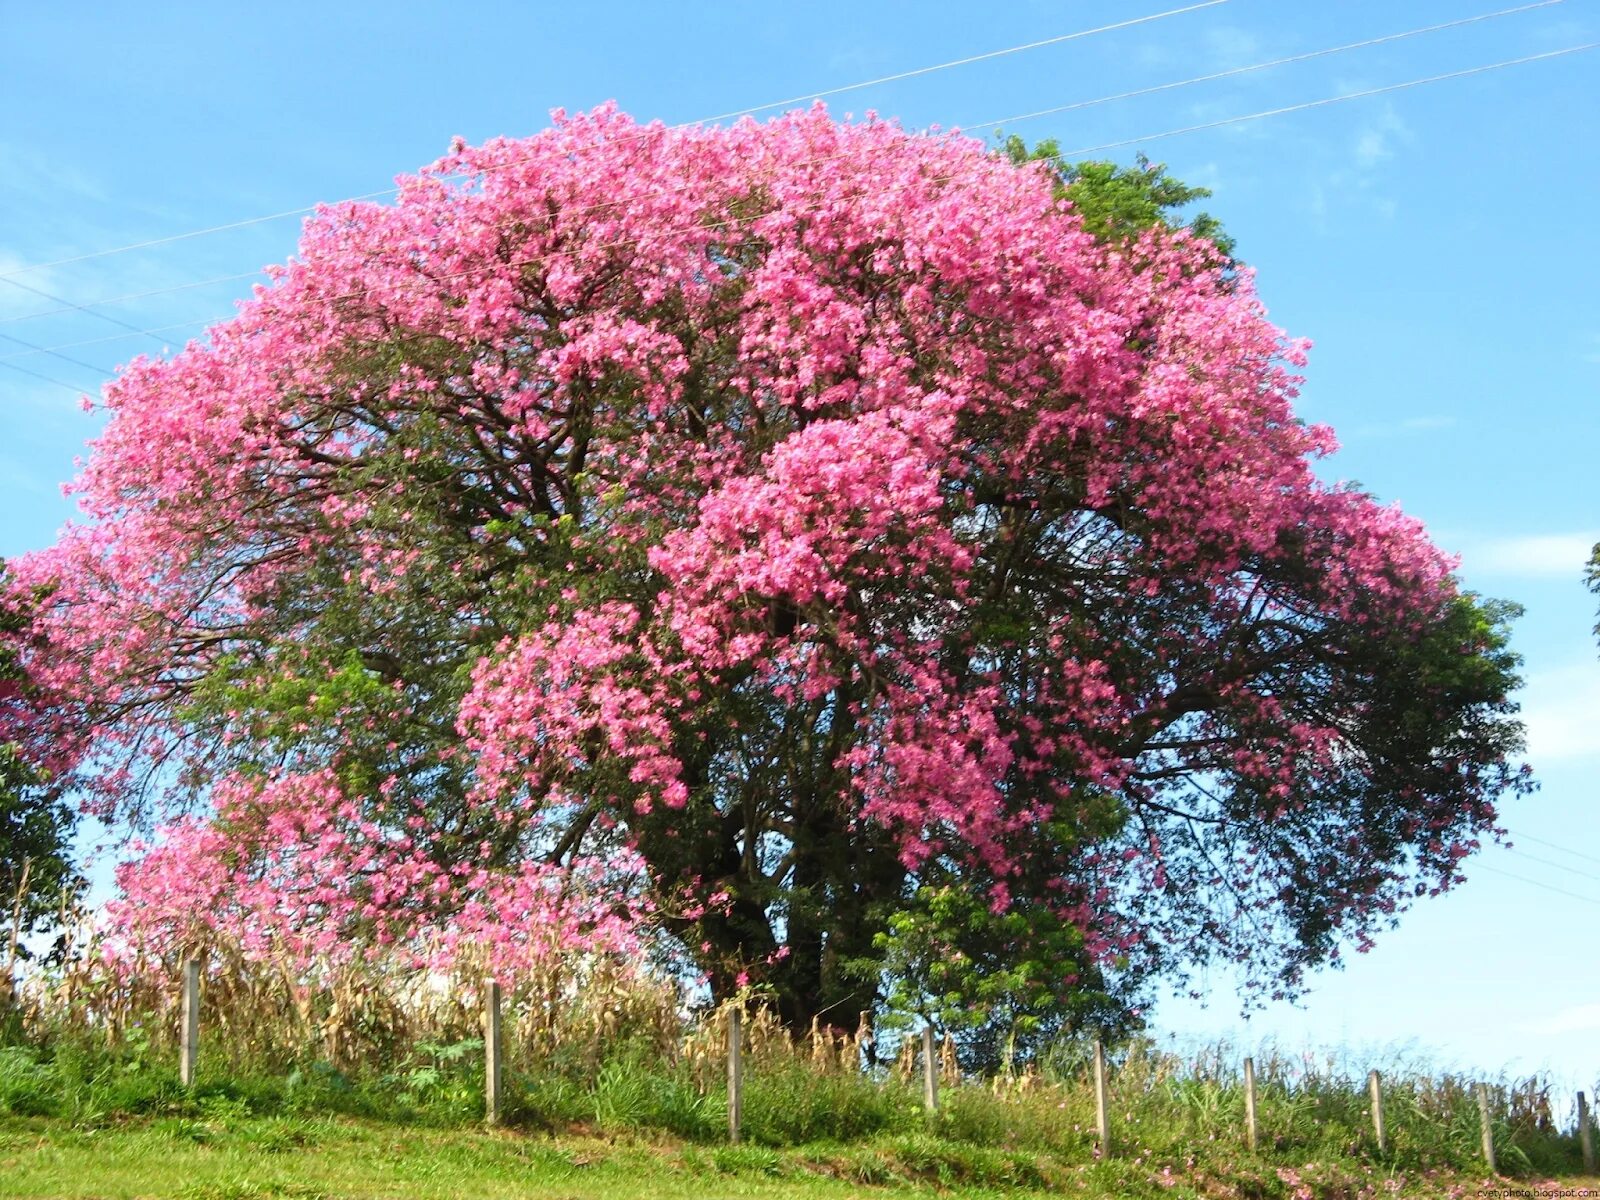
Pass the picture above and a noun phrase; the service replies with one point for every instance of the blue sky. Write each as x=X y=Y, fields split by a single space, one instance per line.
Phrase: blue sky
x=1437 y=243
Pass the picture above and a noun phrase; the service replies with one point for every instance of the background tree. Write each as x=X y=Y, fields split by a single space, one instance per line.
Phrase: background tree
x=1119 y=204
x=818 y=513
x=1593 y=577
x=36 y=825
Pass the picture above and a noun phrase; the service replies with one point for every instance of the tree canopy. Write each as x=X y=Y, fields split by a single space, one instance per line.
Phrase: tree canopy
x=35 y=823
x=823 y=539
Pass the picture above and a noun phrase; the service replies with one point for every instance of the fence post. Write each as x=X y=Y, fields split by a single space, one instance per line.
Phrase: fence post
x=1375 y=1086
x=1250 y=1102
x=1488 y=1133
x=493 y=1053
x=1586 y=1134
x=735 y=1073
x=1102 y=1105
x=189 y=1022
x=930 y=1071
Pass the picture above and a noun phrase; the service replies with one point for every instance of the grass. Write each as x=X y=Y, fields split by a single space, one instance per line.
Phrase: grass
x=229 y=1156
x=278 y=1157
x=319 y=1159
x=79 y=1119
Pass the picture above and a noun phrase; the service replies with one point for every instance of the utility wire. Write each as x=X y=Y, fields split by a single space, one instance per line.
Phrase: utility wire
x=962 y=62
x=77 y=391
x=700 y=227
x=1377 y=91
x=1528 y=837
x=87 y=308
x=77 y=362
x=131 y=296
x=1580 y=872
x=1080 y=104
x=850 y=87
x=1008 y=120
x=117 y=337
x=1535 y=883
x=1281 y=62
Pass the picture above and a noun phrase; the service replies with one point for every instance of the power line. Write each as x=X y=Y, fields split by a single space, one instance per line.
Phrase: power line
x=77 y=362
x=123 y=299
x=850 y=87
x=87 y=308
x=962 y=62
x=1074 y=153
x=1009 y=120
x=1580 y=872
x=981 y=125
x=77 y=391
x=1535 y=883
x=1528 y=837
x=1377 y=91
x=117 y=337
x=1281 y=62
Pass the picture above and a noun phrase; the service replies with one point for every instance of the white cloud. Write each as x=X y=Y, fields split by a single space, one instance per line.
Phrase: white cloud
x=1561 y=709
x=1154 y=54
x=1375 y=141
x=1352 y=177
x=1232 y=46
x=1215 y=108
x=1551 y=555
x=28 y=171
x=1579 y=1018
x=1371 y=148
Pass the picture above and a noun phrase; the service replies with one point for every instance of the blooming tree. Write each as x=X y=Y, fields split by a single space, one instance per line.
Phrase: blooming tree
x=35 y=824
x=782 y=520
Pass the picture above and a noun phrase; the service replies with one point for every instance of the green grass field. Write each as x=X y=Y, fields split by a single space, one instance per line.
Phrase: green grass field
x=80 y=1120
x=245 y=1158
x=321 y=1158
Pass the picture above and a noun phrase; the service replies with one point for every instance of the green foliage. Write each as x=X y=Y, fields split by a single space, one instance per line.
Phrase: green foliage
x=442 y=1076
x=746 y=1160
x=1006 y=984
x=36 y=871
x=1117 y=204
x=629 y=1094
x=791 y=1104
x=26 y=1085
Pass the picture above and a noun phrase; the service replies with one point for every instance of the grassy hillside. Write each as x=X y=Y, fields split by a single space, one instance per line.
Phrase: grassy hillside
x=77 y=1119
x=230 y=1157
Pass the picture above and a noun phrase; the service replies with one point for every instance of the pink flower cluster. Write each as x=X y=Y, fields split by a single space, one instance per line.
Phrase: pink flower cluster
x=289 y=868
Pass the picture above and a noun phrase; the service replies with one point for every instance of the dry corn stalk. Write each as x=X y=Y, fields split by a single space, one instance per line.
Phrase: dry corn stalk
x=949 y=1064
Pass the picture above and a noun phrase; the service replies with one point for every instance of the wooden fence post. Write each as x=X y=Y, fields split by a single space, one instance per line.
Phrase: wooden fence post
x=1250 y=1103
x=493 y=1053
x=930 y=1072
x=189 y=1022
x=1586 y=1134
x=1488 y=1133
x=735 y=1073
x=1375 y=1086
x=1102 y=1105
